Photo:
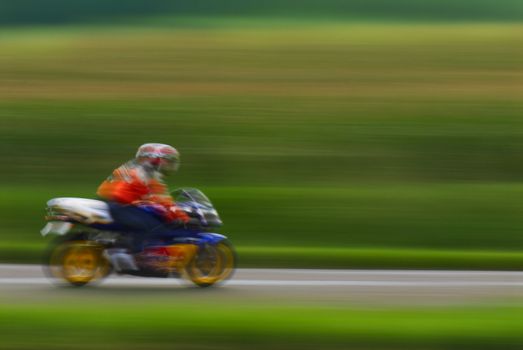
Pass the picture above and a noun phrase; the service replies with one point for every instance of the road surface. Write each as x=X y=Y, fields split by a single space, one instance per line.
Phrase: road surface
x=19 y=283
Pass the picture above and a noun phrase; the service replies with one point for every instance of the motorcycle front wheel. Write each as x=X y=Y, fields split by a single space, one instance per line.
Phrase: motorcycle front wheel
x=212 y=264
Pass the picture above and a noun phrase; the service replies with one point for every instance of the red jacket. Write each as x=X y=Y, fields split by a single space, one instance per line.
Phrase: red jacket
x=132 y=183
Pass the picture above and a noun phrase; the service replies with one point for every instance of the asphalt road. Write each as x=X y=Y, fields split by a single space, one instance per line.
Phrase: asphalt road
x=19 y=283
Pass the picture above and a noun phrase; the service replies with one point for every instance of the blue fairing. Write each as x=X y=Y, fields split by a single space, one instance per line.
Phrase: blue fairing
x=196 y=237
x=211 y=238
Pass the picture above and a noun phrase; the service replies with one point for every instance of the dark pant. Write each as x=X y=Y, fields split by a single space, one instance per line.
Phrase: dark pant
x=139 y=224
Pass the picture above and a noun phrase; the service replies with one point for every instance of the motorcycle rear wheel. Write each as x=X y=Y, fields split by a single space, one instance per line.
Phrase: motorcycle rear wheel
x=77 y=262
x=212 y=264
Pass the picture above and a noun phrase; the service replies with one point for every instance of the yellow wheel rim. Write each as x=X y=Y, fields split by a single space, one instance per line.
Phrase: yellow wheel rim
x=213 y=265
x=79 y=262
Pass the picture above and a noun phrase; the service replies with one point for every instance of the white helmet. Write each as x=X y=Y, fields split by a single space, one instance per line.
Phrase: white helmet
x=161 y=157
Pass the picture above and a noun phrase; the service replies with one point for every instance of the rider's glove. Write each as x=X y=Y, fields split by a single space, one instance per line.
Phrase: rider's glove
x=174 y=213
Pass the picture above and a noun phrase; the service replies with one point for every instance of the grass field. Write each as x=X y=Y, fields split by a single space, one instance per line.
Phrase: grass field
x=324 y=105
x=360 y=135
x=209 y=326
x=373 y=226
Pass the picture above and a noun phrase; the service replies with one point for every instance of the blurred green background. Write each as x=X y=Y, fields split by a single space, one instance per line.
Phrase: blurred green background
x=209 y=325
x=328 y=133
x=391 y=132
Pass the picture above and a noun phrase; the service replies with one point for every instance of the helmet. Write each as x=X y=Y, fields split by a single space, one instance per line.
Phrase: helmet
x=160 y=157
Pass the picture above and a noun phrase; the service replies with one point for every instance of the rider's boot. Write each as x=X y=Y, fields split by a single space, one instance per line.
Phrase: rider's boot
x=121 y=260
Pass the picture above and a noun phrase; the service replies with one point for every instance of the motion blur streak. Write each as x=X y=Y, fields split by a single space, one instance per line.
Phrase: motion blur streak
x=403 y=134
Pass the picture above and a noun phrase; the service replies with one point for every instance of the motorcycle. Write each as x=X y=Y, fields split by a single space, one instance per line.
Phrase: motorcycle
x=88 y=242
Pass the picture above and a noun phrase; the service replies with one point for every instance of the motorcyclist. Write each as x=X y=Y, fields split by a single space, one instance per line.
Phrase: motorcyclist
x=139 y=200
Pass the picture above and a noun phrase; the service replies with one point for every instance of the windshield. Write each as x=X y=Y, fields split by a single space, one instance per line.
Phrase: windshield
x=187 y=194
